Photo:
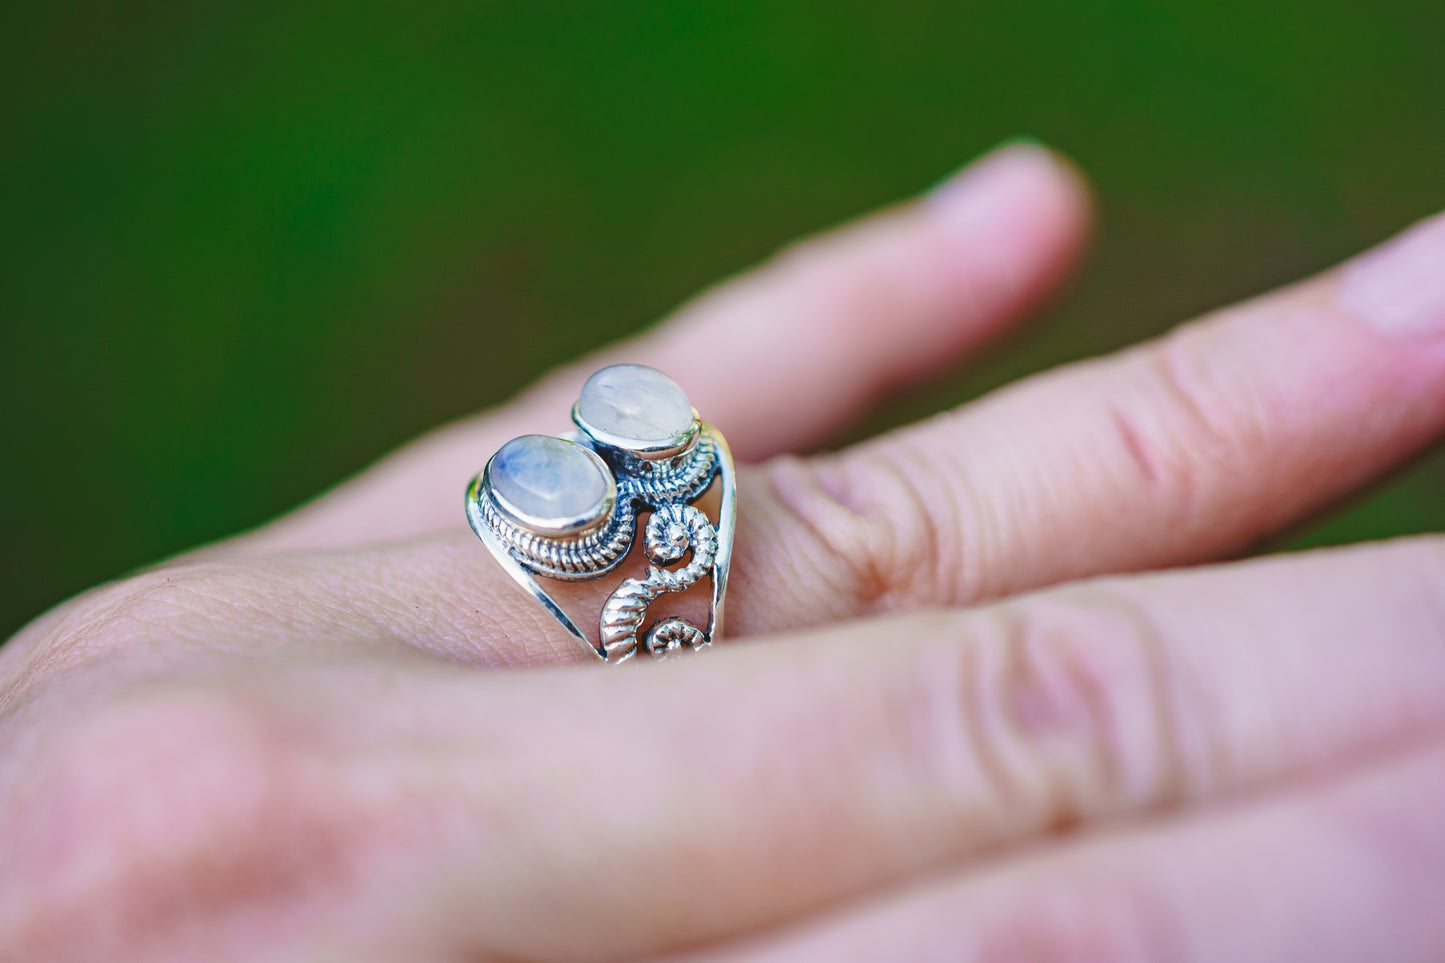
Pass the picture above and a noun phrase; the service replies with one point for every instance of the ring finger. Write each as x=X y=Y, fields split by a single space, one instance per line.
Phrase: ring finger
x=1179 y=451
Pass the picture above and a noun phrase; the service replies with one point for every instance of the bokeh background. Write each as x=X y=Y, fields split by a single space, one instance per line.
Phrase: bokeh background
x=246 y=248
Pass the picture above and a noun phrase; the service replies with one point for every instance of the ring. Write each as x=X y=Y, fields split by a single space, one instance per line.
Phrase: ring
x=569 y=508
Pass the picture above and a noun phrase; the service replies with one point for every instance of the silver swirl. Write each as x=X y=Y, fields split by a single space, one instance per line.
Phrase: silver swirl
x=672 y=532
x=669 y=636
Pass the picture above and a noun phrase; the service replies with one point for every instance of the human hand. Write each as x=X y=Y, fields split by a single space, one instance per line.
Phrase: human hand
x=283 y=747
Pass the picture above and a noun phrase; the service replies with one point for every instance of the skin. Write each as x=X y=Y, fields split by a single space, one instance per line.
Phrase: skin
x=984 y=699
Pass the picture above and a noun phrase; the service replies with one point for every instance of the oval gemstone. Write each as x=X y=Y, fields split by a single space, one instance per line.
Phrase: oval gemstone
x=549 y=478
x=635 y=403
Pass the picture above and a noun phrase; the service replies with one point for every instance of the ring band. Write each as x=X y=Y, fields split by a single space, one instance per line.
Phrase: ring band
x=568 y=508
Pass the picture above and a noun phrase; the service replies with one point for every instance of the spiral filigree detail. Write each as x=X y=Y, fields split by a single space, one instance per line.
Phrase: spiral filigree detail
x=673 y=635
x=672 y=532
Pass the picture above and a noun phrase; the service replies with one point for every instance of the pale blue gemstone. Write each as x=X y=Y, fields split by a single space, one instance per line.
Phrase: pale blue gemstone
x=635 y=402
x=548 y=477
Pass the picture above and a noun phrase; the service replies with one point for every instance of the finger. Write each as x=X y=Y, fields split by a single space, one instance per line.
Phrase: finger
x=164 y=814
x=775 y=779
x=783 y=356
x=1351 y=871
x=1189 y=448
x=771 y=780
x=1176 y=452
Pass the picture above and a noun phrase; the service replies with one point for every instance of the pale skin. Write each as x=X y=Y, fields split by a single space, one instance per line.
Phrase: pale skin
x=982 y=699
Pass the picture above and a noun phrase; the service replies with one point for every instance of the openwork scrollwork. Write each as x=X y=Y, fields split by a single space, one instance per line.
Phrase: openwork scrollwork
x=672 y=532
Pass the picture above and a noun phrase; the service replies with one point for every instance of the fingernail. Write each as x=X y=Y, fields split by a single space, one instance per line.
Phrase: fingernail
x=970 y=194
x=1399 y=287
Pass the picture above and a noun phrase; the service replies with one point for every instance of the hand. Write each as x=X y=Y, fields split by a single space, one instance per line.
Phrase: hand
x=283 y=747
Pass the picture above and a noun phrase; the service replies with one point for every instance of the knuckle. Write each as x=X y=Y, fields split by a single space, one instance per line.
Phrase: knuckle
x=140 y=608
x=170 y=604
x=1182 y=429
x=891 y=526
x=165 y=805
x=1051 y=711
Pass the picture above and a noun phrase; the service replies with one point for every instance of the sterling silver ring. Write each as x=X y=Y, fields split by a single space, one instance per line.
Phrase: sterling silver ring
x=569 y=508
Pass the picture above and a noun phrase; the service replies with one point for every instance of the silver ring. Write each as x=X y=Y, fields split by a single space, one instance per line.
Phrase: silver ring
x=569 y=507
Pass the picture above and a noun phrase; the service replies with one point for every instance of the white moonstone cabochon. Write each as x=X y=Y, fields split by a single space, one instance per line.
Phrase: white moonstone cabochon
x=548 y=478
x=635 y=402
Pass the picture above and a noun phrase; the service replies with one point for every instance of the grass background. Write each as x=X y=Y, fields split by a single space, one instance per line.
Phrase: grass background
x=246 y=248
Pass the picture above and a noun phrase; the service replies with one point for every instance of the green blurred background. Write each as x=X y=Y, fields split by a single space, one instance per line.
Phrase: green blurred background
x=246 y=248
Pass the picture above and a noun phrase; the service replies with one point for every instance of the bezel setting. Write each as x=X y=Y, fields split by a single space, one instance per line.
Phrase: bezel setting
x=554 y=525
